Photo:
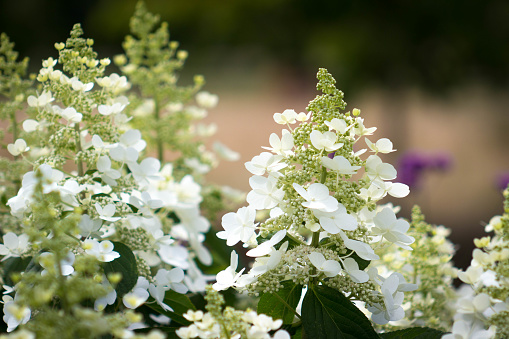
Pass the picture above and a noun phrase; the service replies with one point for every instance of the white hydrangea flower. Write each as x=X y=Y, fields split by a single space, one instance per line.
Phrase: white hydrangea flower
x=228 y=277
x=108 y=175
x=265 y=247
x=281 y=146
x=302 y=116
x=238 y=226
x=165 y=280
x=265 y=264
x=138 y=295
x=107 y=212
x=325 y=141
x=330 y=268
x=31 y=125
x=266 y=163
x=462 y=329
x=289 y=116
x=206 y=100
x=103 y=250
x=40 y=101
x=265 y=193
x=333 y=222
x=383 y=145
x=360 y=130
x=115 y=108
x=377 y=170
x=394 y=189
x=145 y=171
x=362 y=249
x=77 y=85
x=71 y=115
x=317 y=197
x=18 y=147
x=352 y=268
x=14 y=245
x=14 y=314
x=339 y=125
x=340 y=164
x=392 y=229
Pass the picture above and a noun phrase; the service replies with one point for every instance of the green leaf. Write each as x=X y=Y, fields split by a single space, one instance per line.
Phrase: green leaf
x=328 y=314
x=14 y=265
x=414 y=333
x=125 y=265
x=272 y=305
x=179 y=302
x=178 y=318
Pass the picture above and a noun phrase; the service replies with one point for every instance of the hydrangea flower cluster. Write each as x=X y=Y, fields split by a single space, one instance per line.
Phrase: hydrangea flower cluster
x=229 y=323
x=320 y=195
x=482 y=306
x=168 y=115
x=90 y=161
x=428 y=266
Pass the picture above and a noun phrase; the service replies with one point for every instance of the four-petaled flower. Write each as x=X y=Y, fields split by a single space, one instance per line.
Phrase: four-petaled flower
x=238 y=226
x=330 y=268
x=317 y=197
x=392 y=229
x=325 y=141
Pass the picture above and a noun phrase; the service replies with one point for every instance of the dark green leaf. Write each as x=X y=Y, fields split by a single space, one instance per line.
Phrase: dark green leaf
x=272 y=305
x=90 y=172
x=328 y=314
x=100 y=195
x=178 y=318
x=168 y=331
x=14 y=265
x=298 y=334
x=361 y=262
x=133 y=208
x=179 y=302
x=125 y=265
x=414 y=333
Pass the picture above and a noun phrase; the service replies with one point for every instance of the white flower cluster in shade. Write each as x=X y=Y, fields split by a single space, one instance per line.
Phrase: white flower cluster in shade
x=109 y=204
x=204 y=326
x=320 y=207
x=478 y=299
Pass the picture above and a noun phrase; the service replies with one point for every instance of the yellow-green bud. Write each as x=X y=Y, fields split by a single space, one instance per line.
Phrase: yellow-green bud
x=90 y=42
x=42 y=77
x=181 y=55
x=120 y=60
x=483 y=242
x=133 y=317
x=174 y=44
x=114 y=278
x=105 y=61
x=59 y=46
x=199 y=80
x=92 y=63
x=356 y=112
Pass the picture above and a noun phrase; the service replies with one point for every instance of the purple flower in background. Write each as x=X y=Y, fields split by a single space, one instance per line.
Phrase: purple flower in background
x=412 y=166
x=503 y=180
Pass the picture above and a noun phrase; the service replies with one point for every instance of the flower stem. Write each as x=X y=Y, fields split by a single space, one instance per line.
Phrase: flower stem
x=159 y=142
x=81 y=170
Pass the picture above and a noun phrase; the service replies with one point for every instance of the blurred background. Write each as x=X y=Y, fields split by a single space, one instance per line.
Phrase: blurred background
x=433 y=77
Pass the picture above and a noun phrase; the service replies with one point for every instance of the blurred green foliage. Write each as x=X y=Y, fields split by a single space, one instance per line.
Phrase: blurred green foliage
x=394 y=43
